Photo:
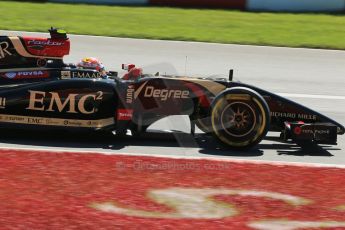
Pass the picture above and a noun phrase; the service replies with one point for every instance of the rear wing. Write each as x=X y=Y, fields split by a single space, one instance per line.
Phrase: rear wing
x=31 y=52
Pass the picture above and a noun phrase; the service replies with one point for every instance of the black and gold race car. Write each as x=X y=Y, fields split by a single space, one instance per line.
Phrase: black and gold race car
x=38 y=90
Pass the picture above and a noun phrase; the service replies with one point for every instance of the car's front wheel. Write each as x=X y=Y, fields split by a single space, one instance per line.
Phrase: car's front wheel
x=240 y=117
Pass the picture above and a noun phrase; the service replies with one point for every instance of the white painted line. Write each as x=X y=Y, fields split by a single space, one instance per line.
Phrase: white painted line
x=274 y=163
x=314 y=96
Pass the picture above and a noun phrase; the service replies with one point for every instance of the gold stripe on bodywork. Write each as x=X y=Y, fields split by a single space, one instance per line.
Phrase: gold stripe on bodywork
x=214 y=87
x=18 y=45
x=45 y=121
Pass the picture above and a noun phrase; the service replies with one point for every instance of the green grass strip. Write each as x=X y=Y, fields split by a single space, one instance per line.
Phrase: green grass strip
x=220 y=26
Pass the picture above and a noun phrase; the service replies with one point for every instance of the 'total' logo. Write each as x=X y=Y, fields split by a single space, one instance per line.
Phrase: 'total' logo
x=297 y=130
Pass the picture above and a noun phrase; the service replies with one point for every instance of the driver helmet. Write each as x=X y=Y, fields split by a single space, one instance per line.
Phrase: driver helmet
x=92 y=63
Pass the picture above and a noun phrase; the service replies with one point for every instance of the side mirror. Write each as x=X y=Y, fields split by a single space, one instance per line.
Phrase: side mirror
x=128 y=67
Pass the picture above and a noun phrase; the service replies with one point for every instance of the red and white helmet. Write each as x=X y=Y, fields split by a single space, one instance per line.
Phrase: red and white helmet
x=91 y=63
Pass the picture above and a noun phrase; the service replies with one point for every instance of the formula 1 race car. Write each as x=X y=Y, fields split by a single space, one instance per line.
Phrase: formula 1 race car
x=38 y=90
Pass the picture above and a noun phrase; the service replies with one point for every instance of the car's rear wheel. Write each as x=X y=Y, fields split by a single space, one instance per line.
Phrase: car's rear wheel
x=202 y=118
x=204 y=124
x=240 y=117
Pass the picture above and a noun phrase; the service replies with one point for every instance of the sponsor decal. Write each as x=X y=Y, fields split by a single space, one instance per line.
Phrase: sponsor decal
x=138 y=91
x=72 y=103
x=130 y=94
x=294 y=115
x=86 y=74
x=151 y=92
x=133 y=94
x=307 y=131
x=26 y=75
x=164 y=94
x=10 y=75
x=322 y=131
x=124 y=114
x=45 y=43
x=316 y=131
x=65 y=74
x=57 y=53
x=306 y=116
x=297 y=130
x=36 y=47
x=56 y=121
x=2 y=102
x=4 y=50
x=41 y=62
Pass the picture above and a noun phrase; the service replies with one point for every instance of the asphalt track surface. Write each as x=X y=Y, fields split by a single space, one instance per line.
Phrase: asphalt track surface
x=315 y=78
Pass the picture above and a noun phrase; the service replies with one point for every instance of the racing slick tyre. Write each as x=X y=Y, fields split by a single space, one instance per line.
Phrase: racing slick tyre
x=240 y=118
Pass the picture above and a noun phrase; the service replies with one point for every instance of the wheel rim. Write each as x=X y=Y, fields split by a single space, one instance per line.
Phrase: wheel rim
x=238 y=119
